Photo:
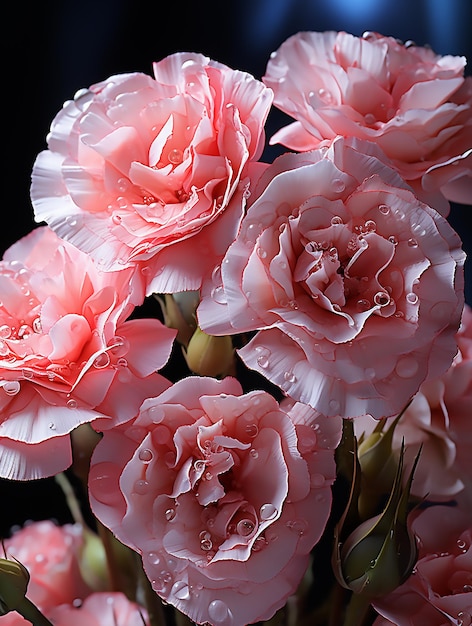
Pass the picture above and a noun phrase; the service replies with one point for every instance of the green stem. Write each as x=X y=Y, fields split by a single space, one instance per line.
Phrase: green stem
x=31 y=613
x=357 y=610
x=153 y=603
x=120 y=562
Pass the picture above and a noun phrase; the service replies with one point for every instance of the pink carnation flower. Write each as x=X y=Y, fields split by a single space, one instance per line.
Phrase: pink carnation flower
x=68 y=353
x=152 y=171
x=51 y=554
x=101 y=609
x=354 y=286
x=222 y=494
x=439 y=591
x=416 y=105
x=438 y=420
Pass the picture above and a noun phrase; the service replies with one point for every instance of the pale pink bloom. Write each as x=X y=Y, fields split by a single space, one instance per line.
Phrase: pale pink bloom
x=415 y=104
x=223 y=494
x=439 y=592
x=153 y=171
x=51 y=554
x=101 y=609
x=439 y=421
x=355 y=286
x=68 y=352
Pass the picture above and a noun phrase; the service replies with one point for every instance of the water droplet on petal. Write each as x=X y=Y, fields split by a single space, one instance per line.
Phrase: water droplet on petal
x=154 y=558
x=175 y=156
x=412 y=298
x=102 y=360
x=11 y=387
x=219 y=613
x=267 y=511
x=245 y=527
x=180 y=590
x=141 y=487
x=338 y=185
x=71 y=403
x=298 y=526
x=218 y=295
x=290 y=377
x=325 y=95
x=146 y=455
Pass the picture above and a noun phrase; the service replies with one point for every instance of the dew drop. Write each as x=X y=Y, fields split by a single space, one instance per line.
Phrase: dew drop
x=119 y=346
x=384 y=209
x=412 y=242
x=263 y=358
x=251 y=430
x=407 y=367
x=290 y=377
x=218 y=295
x=141 y=487
x=338 y=185
x=253 y=453
x=156 y=414
x=462 y=545
x=102 y=360
x=411 y=298
x=219 y=613
x=180 y=590
x=363 y=305
x=267 y=512
x=154 y=558
x=370 y=118
x=245 y=527
x=5 y=331
x=206 y=544
x=298 y=526
x=325 y=95
x=71 y=403
x=336 y=220
x=11 y=387
x=145 y=455
x=175 y=156
x=464 y=619
x=381 y=298
x=170 y=514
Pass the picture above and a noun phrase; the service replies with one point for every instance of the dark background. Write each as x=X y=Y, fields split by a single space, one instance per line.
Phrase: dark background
x=52 y=49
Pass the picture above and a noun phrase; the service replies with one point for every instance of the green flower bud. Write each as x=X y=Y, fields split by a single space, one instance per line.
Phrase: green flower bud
x=14 y=579
x=378 y=464
x=178 y=310
x=208 y=355
x=378 y=555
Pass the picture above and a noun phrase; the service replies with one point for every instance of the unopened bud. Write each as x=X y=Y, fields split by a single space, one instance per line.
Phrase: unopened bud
x=14 y=579
x=208 y=355
x=378 y=555
x=378 y=463
x=178 y=310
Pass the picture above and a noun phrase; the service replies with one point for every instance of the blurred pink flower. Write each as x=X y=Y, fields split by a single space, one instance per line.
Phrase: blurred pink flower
x=416 y=105
x=439 y=420
x=101 y=609
x=68 y=353
x=355 y=286
x=222 y=494
x=439 y=591
x=51 y=554
x=153 y=171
